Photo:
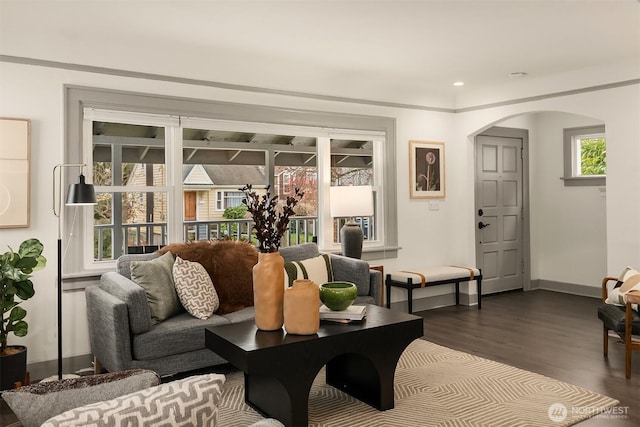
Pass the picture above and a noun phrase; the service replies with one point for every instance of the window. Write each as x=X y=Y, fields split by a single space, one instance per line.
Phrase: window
x=166 y=177
x=130 y=165
x=585 y=156
x=228 y=199
x=129 y=174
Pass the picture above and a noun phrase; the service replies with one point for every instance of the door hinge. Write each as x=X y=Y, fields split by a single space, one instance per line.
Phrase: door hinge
x=522 y=266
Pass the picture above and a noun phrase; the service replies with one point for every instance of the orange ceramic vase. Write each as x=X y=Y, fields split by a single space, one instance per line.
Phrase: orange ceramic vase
x=268 y=291
x=302 y=308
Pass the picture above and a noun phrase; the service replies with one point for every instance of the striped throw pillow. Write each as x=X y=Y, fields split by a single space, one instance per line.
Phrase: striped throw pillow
x=317 y=269
x=628 y=280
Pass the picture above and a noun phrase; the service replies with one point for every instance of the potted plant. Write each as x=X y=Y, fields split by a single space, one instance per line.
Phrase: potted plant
x=15 y=286
x=270 y=224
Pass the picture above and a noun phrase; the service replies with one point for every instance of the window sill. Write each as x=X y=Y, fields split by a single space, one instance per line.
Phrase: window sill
x=581 y=181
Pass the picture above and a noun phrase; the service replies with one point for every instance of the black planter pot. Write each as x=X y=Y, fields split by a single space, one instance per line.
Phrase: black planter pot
x=13 y=368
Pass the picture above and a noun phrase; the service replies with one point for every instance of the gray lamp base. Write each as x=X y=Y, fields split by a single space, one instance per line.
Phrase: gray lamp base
x=351 y=238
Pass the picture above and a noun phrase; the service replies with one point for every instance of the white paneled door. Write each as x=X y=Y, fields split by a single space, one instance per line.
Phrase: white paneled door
x=499 y=212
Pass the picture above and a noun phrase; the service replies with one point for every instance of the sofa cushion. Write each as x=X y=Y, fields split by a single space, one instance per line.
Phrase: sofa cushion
x=179 y=334
x=317 y=269
x=229 y=264
x=194 y=288
x=34 y=404
x=190 y=401
x=156 y=278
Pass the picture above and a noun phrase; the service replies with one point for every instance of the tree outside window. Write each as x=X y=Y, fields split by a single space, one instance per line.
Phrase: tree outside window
x=593 y=155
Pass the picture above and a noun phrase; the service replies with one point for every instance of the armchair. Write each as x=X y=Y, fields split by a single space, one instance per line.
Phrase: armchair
x=623 y=320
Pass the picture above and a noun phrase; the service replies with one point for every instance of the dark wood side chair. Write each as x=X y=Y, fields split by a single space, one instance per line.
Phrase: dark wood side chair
x=622 y=320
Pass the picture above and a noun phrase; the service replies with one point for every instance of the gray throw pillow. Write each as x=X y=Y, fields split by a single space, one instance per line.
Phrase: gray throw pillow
x=34 y=404
x=156 y=278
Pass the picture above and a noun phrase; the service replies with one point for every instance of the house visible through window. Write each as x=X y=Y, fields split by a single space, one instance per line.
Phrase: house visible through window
x=585 y=151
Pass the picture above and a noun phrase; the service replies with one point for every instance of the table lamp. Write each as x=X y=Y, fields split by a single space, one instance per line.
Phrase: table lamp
x=350 y=202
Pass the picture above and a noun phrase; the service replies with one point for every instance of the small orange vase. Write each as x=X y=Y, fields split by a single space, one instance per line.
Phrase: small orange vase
x=302 y=308
x=268 y=291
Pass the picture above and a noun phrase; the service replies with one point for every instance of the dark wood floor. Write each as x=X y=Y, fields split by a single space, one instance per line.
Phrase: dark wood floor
x=553 y=334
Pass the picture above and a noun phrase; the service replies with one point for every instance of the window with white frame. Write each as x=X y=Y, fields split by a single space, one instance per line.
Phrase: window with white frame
x=585 y=156
x=228 y=199
x=138 y=193
x=145 y=202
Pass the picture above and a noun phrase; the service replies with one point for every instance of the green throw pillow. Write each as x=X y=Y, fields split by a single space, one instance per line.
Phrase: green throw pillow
x=156 y=278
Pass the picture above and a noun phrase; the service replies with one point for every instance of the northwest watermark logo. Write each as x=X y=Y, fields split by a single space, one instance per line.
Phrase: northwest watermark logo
x=558 y=412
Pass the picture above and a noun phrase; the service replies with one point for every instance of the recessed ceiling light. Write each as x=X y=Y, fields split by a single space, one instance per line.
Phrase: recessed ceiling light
x=458 y=84
x=517 y=75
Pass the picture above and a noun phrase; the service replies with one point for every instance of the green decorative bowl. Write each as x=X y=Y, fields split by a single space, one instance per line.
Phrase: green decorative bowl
x=338 y=295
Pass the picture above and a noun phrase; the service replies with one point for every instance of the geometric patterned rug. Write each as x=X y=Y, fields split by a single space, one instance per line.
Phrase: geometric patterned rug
x=437 y=386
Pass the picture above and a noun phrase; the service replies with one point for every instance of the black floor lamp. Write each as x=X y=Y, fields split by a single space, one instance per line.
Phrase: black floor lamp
x=78 y=194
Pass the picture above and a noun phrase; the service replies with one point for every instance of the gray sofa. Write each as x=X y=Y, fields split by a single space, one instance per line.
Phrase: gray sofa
x=122 y=336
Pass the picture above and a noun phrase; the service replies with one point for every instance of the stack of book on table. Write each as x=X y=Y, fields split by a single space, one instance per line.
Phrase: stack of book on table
x=353 y=312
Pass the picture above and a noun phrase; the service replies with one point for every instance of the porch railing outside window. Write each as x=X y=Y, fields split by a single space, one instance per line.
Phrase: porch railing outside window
x=145 y=237
x=141 y=237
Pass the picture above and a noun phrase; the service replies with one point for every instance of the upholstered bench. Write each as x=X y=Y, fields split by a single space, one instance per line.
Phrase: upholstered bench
x=433 y=276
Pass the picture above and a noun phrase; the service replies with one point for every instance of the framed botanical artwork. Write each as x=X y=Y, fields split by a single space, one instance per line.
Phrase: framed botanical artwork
x=426 y=168
x=14 y=173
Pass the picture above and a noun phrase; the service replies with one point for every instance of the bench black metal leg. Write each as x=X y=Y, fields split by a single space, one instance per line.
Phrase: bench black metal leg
x=388 y=290
x=479 y=284
x=457 y=293
x=410 y=295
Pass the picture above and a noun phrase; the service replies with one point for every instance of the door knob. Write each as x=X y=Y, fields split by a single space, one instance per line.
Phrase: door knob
x=482 y=225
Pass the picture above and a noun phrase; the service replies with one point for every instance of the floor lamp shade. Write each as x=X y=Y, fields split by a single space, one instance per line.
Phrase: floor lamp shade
x=81 y=193
x=78 y=194
x=350 y=202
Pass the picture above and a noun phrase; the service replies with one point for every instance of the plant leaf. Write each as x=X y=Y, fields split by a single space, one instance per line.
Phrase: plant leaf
x=18 y=313
x=24 y=289
x=30 y=248
x=19 y=328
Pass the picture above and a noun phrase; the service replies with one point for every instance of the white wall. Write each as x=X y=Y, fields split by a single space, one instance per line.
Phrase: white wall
x=427 y=237
x=36 y=93
x=570 y=222
x=559 y=251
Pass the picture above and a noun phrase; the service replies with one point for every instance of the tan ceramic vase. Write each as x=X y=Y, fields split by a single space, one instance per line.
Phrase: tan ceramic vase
x=268 y=291
x=302 y=308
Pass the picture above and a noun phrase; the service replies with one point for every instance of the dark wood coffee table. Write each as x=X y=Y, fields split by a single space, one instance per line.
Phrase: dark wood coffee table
x=279 y=368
